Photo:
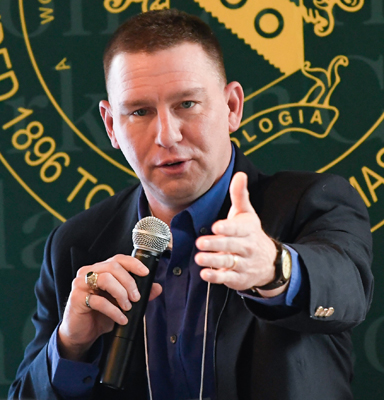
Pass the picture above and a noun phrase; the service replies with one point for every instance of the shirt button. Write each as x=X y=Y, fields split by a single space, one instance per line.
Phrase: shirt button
x=87 y=379
x=173 y=339
x=177 y=271
x=203 y=230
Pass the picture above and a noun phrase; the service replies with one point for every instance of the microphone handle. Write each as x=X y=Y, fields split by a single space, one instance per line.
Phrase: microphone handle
x=122 y=346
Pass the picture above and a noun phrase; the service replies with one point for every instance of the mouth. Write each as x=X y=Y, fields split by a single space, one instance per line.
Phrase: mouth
x=172 y=162
x=173 y=166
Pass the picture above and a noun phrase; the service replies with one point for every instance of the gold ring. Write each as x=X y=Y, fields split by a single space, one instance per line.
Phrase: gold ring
x=87 y=300
x=91 y=280
x=235 y=261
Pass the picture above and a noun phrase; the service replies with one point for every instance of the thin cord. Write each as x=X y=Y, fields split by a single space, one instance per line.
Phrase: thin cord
x=146 y=358
x=202 y=355
x=204 y=341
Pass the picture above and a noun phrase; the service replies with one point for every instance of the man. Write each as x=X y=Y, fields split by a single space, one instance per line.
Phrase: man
x=288 y=256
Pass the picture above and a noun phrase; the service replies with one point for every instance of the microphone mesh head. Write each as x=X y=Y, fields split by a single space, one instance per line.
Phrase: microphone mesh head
x=152 y=234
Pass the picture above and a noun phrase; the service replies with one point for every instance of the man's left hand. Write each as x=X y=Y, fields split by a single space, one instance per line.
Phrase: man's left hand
x=239 y=252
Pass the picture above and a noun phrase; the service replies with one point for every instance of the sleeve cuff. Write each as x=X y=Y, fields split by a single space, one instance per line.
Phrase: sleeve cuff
x=286 y=298
x=73 y=379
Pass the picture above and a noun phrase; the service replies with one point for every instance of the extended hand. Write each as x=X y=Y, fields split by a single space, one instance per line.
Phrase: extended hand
x=240 y=236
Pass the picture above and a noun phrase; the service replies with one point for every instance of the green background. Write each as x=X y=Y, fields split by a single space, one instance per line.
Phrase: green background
x=79 y=32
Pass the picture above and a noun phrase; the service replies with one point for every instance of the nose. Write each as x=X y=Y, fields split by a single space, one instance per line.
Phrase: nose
x=168 y=129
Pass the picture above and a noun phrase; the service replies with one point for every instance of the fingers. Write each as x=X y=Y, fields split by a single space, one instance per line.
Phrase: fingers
x=227 y=243
x=114 y=277
x=105 y=304
x=225 y=277
x=239 y=236
x=236 y=227
x=105 y=307
x=239 y=254
x=239 y=195
x=233 y=273
x=115 y=282
x=155 y=291
x=217 y=260
x=115 y=291
x=117 y=288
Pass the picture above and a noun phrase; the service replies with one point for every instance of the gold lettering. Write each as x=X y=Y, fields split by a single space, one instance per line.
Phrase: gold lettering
x=44 y=1
x=52 y=163
x=236 y=141
x=1 y=32
x=15 y=84
x=316 y=117
x=62 y=65
x=24 y=114
x=249 y=138
x=378 y=158
x=41 y=156
x=267 y=128
x=86 y=177
x=5 y=54
x=285 y=118
x=356 y=185
x=45 y=15
x=301 y=116
x=29 y=135
x=96 y=189
x=367 y=172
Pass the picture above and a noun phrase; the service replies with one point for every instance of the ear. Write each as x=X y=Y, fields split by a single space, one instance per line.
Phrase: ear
x=235 y=100
x=106 y=115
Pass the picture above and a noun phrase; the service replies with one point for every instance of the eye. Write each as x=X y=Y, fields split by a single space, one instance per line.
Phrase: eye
x=187 y=104
x=140 y=113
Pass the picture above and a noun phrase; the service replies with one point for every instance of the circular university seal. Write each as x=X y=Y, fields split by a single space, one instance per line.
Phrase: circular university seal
x=313 y=99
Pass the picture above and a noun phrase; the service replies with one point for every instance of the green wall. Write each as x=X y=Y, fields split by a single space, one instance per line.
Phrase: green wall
x=313 y=81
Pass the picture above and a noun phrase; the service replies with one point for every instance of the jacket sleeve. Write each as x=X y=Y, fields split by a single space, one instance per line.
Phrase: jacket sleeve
x=32 y=379
x=329 y=228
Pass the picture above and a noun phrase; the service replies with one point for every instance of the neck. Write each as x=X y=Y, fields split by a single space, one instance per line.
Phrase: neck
x=162 y=212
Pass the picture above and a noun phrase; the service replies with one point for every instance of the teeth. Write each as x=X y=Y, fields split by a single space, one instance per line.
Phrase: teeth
x=173 y=163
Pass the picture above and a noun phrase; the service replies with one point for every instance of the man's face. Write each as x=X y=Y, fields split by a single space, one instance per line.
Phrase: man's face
x=170 y=114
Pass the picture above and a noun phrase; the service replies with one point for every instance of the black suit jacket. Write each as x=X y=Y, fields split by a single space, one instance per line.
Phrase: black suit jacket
x=261 y=352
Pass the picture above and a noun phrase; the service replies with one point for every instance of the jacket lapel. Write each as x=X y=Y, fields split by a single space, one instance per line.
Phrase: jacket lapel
x=114 y=238
x=230 y=315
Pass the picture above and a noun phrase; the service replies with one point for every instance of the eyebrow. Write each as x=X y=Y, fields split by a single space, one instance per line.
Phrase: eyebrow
x=191 y=92
x=183 y=94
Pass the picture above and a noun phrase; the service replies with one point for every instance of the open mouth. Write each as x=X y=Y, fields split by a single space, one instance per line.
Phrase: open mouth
x=175 y=163
x=175 y=167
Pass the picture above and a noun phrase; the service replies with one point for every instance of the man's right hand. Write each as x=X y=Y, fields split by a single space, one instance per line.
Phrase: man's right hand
x=117 y=289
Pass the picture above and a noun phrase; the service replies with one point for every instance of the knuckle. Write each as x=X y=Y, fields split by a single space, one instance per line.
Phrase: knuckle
x=249 y=250
x=115 y=266
x=118 y=257
x=131 y=284
x=112 y=260
x=103 y=280
x=82 y=271
x=77 y=282
x=76 y=297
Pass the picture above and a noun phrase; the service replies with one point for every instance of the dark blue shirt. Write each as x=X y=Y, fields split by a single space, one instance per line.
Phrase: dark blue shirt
x=175 y=319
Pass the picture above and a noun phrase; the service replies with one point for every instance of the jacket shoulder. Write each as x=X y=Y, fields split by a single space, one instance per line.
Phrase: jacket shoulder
x=84 y=227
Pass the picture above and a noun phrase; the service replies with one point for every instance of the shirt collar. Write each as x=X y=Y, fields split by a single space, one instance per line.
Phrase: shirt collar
x=204 y=211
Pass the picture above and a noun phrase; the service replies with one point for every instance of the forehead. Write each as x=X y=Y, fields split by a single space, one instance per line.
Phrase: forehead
x=182 y=64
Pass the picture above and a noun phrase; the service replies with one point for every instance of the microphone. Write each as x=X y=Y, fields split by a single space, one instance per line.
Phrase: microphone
x=150 y=238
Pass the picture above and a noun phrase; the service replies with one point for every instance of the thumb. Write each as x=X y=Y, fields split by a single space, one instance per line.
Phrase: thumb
x=239 y=195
